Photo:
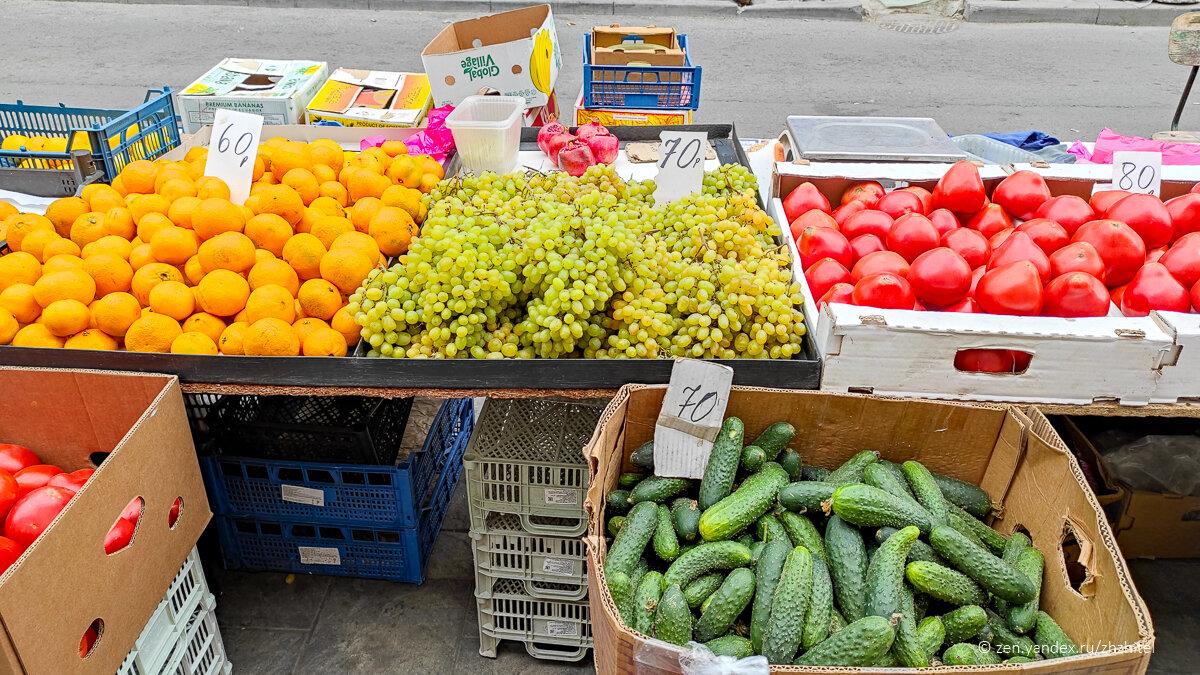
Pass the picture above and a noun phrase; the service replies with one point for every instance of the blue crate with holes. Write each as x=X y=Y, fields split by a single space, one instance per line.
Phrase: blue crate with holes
x=671 y=87
x=389 y=496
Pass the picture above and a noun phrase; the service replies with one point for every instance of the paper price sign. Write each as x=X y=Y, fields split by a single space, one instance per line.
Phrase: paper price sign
x=692 y=412
x=1137 y=172
x=232 y=149
x=680 y=164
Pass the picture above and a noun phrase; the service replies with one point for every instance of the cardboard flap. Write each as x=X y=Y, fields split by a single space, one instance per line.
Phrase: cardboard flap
x=1006 y=458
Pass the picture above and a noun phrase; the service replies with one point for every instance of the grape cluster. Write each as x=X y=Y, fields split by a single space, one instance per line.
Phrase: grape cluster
x=528 y=265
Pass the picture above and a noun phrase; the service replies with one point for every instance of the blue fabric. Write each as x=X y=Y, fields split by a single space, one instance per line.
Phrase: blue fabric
x=1026 y=140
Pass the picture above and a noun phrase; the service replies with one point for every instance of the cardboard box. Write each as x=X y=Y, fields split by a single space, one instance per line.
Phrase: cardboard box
x=615 y=45
x=617 y=117
x=1018 y=459
x=277 y=90
x=543 y=114
x=371 y=98
x=516 y=53
x=64 y=580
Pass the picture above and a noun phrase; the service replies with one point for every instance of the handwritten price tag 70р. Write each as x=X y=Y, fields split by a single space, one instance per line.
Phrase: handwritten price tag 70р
x=231 y=151
x=691 y=416
x=680 y=165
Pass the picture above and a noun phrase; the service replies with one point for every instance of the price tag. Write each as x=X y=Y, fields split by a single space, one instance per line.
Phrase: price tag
x=1137 y=172
x=691 y=416
x=680 y=164
x=232 y=149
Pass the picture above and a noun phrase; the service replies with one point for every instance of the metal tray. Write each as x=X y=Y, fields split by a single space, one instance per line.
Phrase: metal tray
x=891 y=139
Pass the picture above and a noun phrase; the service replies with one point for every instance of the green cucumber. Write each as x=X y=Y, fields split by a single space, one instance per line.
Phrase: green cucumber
x=725 y=605
x=820 y=605
x=878 y=475
x=705 y=558
x=792 y=463
x=885 y=574
x=685 y=514
x=921 y=601
x=752 y=458
x=698 y=591
x=931 y=633
x=768 y=527
x=992 y=539
x=645 y=602
x=722 y=463
x=614 y=525
x=888 y=660
x=665 y=541
x=639 y=570
x=802 y=532
x=659 y=490
x=684 y=548
x=847 y=557
x=629 y=480
x=617 y=502
x=919 y=551
x=926 y=491
x=894 y=469
x=996 y=576
x=756 y=550
x=907 y=647
x=944 y=583
x=739 y=510
x=859 y=644
x=963 y=623
x=964 y=528
x=805 y=496
x=1021 y=618
x=1002 y=640
x=629 y=543
x=643 y=457
x=775 y=438
x=866 y=506
x=622 y=594
x=964 y=495
x=730 y=645
x=1019 y=659
x=836 y=622
x=704 y=607
x=816 y=474
x=746 y=539
x=673 y=618
x=852 y=470
x=1053 y=642
x=785 y=628
x=1018 y=542
x=767 y=571
x=964 y=654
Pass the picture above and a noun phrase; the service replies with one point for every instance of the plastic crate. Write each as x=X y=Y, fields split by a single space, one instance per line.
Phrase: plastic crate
x=341 y=429
x=554 y=630
x=675 y=87
x=991 y=151
x=155 y=646
x=553 y=568
x=199 y=407
x=526 y=458
x=337 y=494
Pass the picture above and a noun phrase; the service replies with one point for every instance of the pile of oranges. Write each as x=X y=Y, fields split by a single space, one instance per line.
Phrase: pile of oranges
x=162 y=261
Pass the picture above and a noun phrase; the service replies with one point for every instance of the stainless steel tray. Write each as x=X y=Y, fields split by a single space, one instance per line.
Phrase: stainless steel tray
x=891 y=139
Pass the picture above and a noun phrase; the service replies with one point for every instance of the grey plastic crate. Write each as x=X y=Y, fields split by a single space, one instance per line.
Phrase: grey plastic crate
x=549 y=629
x=553 y=568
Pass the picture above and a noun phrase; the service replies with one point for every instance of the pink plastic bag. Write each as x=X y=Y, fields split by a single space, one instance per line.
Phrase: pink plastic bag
x=1109 y=141
x=434 y=140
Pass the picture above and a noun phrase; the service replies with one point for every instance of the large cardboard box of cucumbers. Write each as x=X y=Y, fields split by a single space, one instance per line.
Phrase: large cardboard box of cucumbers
x=1033 y=487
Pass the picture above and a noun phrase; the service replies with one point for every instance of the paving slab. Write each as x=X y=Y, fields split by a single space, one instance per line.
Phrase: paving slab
x=512 y=659
x=1031 y=11
x=267 y=600
x=262 y=651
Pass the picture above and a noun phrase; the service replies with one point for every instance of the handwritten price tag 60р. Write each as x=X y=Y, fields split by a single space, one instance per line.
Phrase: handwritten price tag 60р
x=232 y=149
x=1137 y=172
x=680 y=165
x=691 y=416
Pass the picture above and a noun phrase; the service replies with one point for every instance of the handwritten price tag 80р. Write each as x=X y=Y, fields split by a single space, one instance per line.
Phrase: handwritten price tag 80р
x=691 y=416
x=232 y=149
x=1137 y=172
x=680 y=165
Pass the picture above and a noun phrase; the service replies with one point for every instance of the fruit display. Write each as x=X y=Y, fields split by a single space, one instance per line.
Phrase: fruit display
x=872 y=564
x=554 y=265
x=1018 y=251
x=162 y=261
x=592 y=144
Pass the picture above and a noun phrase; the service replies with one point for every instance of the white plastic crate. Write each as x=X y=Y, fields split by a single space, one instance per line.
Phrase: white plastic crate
x=553 y=568
x=154 y=647
x=192 y=648
x=549 y=629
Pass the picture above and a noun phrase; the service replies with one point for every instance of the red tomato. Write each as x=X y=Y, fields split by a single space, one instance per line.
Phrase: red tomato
x=884 y=290
x=825 y=274
x=976 y=275
x=842 y=213
x=1182 y=260
x=1103 y=199
x=1119 y=247
x=813 y=218
x=173 y=514
x=1156 y=254
x=990 y=220
x=13 y=458
x=1000 y=237
x=118 y=537
x=1079 y=256
x=1047 y=234
x=899 y=202
x=1020 y=246
x=1147 y=215
x=843 y=293
x=1153 y=287
x=133 y=511
x=940 y=277
x=964 y=306
x=86 y=642
x=72 y=481
x=991 y=361
x=911 y=235
x=1066 y=210
x=865 y=245
x=869 y=221
x=10 y=492
x=1115 y=294
x=1076 y=294
x=1015 y=288
x=960 y=190
x=874 y=263
x=943 y=221
x=868 y=192
x=1185 y=214
x=35 y=476
x=805 y=197
x=970 y=244
x=815 y=243
x=1021 y=194
x=9 y=552
x=34 y=512
x=924 y=195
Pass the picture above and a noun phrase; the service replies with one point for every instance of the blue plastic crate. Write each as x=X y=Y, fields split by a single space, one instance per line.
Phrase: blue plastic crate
x=157 y=132
x=671 y=87
x=337 y=494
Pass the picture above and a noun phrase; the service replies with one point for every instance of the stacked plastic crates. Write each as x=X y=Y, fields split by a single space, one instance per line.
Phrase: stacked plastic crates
x=322 y=485
x=526 y=482
x=639 y=85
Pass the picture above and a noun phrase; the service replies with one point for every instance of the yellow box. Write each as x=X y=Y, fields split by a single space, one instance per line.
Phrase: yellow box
x=371 y=98
x=618 y=117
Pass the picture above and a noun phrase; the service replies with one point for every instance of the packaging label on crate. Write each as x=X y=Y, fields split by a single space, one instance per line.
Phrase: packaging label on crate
x=564 y=496
x=298 y=494
x=319 y=555
x=562 y=629
x=559 y=566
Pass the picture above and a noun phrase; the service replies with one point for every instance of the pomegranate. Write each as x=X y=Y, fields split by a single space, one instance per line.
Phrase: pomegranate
x=554 y=128
x=555 y=143
x=575 y=157
x=604 y=146
x=586 y=131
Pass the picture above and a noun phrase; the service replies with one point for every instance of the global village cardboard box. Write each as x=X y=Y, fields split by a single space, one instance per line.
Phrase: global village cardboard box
x=516 y=53
x=628 y=117
x=371 y=98
x=277 y=90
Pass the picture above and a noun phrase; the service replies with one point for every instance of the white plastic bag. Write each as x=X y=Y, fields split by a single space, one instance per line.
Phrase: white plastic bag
x=699 y=660
x=1168 y=464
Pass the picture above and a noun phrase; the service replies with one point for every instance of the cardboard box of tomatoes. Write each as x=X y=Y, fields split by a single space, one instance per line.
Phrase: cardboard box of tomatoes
x=103 y=499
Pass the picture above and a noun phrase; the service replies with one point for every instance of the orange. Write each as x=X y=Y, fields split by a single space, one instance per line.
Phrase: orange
x=307 y=325
x=140 y=256
x=268 y=178
x=346 y=269
x=66 y=317
x=139 y=175
x=428 y=182
x=174 y=245
x=216 y=215
x=64 y=212
x=109 y=245
x=91 y=339
x=304 y=183
x=432 y=167
x=327 y=153
x=173 y=299
x=404 y=198
x=192 y=270
x=343 y=322
x=269 y=231
x=366 y=184
x=363 y=243
x=260 y=167
x=91 y=189
x=196 y=153
x=111 y=274
x=363 y=211
x=202 y=322
x=230 y=341
x=23 y=268
x=324 y=342
x=304 y=253
x=7 y=210
x=118 y=222
x=240 y=317
x=140 y=205
x=392 y=229
x=115 y=312
x=20 y=225
x=150 y=224
x=322 y=173
x=61 y=262
x=373 y=159
x=36 y=335
x=247 y=214
x=105 y=198
x=274 y=271
x=35 y=243
x=18 y=299
x=311 y=216
x=181 y=210
x=194 y=343
x=406 y=171
x=290 y=155
x=319 y=299
x=176 y=188
x=261 y=254
x=253 y=203
x=73 y=284
x=8 y=326
x=335 y=191
x=119 y=186
x=211 y=187
x=270 y=337
x=151 y=275
x=328 y=206
x=227 y=251
x=152 y=333
x=88 y=228
x=283 y=201
x=270 y=301
x=393 y=148
x=222 y=293
x=328 y=228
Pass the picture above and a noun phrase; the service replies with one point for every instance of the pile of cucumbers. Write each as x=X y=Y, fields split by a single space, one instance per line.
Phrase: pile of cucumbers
x=905 y=573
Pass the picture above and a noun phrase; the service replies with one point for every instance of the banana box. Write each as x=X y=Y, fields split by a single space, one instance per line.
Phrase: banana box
x=515 y=53
x=371 y=98
x=277 y=90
